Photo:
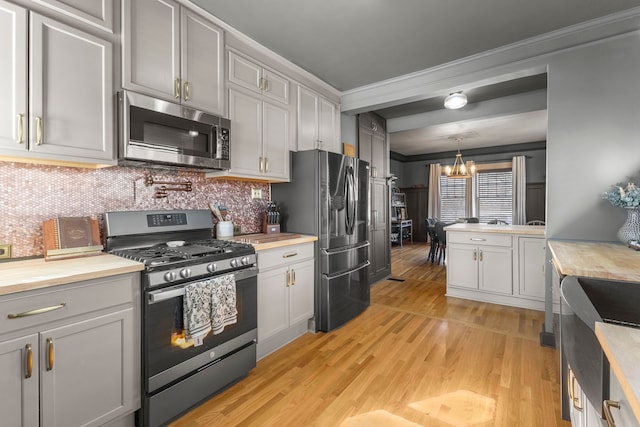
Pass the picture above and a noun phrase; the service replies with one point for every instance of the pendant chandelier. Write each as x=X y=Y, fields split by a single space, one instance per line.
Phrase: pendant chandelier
x=460 y=168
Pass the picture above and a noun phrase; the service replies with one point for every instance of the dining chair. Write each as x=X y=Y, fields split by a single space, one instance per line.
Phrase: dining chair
x=536 y=222
x=431 y=232
x=441 y=235
x=498 y=221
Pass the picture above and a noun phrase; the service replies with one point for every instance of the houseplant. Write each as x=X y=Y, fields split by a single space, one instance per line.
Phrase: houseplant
x=627 y=197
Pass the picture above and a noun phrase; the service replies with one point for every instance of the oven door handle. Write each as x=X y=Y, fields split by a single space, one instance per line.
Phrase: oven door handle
x=158 y=296
x=178 y=291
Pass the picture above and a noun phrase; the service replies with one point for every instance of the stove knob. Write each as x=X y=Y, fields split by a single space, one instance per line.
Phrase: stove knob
x=170 y=276
x=244 y=260
x=185 y=273
x=211 y=268
x=234 y=263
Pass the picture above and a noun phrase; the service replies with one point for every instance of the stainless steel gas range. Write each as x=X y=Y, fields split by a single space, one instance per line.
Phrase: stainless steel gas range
x=177 y=250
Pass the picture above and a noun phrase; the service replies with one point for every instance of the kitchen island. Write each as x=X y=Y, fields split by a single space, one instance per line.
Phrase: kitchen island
x=620 y=344
x=501 y=264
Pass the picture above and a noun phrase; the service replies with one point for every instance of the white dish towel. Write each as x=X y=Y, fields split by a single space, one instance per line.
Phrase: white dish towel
x=223 y=302
x=197 y=310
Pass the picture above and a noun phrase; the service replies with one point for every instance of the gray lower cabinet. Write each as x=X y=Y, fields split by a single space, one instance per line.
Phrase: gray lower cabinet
x=618 y=405
x=285 y=295
x=70 y=354
x=379 y=236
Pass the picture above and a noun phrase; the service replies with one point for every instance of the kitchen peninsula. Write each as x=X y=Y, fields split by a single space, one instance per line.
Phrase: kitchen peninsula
x=501 y=264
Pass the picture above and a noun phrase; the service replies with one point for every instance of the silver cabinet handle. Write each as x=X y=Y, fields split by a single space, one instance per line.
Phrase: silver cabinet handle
x=477 y=239
x=176 y=88
x=38 y=130
x=186 y=91
x=260 y=165
x=20 y=128
x=606 y=408
x=36 y=311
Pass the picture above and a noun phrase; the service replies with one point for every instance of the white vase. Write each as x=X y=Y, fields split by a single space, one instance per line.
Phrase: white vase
x=630 y=230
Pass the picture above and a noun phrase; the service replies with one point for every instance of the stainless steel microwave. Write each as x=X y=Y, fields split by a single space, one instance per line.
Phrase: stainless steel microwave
x=157 y=133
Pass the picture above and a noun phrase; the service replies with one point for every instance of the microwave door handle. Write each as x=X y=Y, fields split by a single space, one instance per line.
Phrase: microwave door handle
x=143 y=144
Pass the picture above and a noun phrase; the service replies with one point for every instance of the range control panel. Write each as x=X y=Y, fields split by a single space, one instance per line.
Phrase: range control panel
x=165 y=220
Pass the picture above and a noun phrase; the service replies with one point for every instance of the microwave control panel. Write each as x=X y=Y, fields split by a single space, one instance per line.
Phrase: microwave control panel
x=222 y=146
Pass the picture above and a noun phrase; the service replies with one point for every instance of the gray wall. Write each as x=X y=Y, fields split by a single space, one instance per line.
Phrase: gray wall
x=349 y=129
x=593 y=137
x=416 y=173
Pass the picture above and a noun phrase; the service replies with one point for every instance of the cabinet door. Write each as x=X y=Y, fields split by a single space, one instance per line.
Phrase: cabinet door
x=378 y=155
x=245 y=113
x=91 y=358
x=624 y=415
x=244 y=72
x=151 y=47
x=275 y=86
x=19 y=395
x=462 y=266
x=301 y=291
x=327 y=125
x=379 y=253
x=13 y=78
x=202 y=63
x=275 y=141
x=307 y=120
x=379 y=204
x=273 y=307
x=531 y=266
x=94 y=12
x=495 y=269
x=71 y=97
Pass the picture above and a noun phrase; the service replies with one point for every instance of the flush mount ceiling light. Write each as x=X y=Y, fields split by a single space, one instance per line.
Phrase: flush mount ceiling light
x=455 y=100
x=460 y=168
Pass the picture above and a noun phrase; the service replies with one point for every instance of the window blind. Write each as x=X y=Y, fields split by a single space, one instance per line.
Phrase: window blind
x=452 y=198
x=494 y=196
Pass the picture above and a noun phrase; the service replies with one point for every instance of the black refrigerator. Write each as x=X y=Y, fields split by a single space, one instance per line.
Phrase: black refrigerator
x=328 y=197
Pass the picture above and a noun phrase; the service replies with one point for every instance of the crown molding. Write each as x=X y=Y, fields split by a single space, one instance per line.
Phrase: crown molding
x=492 y=66
x=447 y=155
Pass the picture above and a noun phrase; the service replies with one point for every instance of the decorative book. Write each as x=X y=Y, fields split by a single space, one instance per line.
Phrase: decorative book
x=71 y=237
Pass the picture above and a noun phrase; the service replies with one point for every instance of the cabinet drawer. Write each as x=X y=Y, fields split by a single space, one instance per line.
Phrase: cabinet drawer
x=286 y=255
x=487 y=239
x=78 y=298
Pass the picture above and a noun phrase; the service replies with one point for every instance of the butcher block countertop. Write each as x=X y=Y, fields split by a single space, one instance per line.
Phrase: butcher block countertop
x=262 y=241
x=533 y=230
x=25 y=275
x=600 y=260
x=620 y=344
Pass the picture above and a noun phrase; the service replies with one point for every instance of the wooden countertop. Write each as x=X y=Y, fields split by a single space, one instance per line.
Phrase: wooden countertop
x=18 y=276
x=262 y=241
x=621 y=345
x=601 y=260
x=532 y=230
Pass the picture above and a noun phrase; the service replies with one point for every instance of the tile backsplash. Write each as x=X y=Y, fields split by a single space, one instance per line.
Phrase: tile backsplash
x=31 y=194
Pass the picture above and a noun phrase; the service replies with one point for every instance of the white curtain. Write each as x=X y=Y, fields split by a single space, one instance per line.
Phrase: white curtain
x=435 y=170
x=519 y=190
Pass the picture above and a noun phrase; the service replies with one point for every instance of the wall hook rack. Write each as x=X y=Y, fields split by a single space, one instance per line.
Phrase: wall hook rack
x=166 y=186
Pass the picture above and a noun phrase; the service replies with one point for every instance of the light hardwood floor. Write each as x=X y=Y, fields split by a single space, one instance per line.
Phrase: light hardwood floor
x=413 y=358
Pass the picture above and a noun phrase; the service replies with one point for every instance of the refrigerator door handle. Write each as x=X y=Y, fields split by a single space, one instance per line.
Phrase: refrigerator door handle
x=358 y=268
x=344 y=249
x=351 y=201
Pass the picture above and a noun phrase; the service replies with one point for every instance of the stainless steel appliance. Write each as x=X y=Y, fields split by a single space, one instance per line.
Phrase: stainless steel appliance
x=156 y=132
x=328 y=197
x=175 y=375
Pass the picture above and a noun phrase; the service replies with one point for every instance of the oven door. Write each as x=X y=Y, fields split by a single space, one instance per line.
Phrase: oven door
x=167 y=358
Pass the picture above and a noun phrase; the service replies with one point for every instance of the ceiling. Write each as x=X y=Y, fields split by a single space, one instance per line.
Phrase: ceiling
x=353 y=43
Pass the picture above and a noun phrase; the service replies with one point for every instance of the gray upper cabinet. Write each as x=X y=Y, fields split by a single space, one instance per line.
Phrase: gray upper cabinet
x=69 y=113
x=13 y=77
x=372 y=143
x=172 y=53
x=253 y=76
x=318 y=122
x=95 y=12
